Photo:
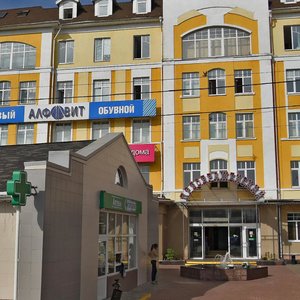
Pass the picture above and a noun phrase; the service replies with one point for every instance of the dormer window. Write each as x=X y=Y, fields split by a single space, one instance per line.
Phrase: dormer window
x=67 y=9
x=68 y=13
x=103 y=8
x=141 y=6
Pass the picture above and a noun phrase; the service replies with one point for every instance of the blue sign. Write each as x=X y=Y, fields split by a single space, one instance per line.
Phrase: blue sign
x=122 y=109
x=11 y=114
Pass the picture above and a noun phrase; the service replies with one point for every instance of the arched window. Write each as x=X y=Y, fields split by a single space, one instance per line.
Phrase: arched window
x=17 y=56
x=4 y=92
x=215 y=41
x=216 y=82
x=121 y=177
x=218 y=165
x=218 y=126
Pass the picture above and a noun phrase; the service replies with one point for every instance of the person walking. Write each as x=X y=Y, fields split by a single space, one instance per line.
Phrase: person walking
x=153 y=254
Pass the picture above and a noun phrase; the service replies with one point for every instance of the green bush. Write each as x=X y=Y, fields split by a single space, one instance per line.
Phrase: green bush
x=170 y=254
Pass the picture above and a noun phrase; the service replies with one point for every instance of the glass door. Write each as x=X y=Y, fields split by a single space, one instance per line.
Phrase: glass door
x=196 y=242
x=235 y=240
x=251 y=242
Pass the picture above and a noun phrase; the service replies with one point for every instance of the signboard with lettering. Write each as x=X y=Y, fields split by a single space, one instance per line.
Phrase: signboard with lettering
x=11 y=114
x=117 y=203
x=143 y=152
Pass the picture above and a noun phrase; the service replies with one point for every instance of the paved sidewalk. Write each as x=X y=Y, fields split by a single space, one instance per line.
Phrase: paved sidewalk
x=283 y=283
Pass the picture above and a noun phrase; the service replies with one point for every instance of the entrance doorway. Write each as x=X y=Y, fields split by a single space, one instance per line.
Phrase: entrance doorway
x=216 y=241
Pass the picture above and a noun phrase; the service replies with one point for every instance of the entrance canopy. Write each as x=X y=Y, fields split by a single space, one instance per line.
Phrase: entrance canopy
x=223 y=176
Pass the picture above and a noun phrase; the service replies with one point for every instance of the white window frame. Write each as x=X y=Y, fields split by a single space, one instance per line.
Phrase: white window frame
x=295 y=169
x=143 y=83
x=144 y=131
x=103 y=128
x=191 y=170
x=27 y=88
x=101 y=90
x=217 y=123
x=293 y=31
x=245 y=168
x=65 y=87
x=294 y=218
x=144 y=45
x=243 y=81
x=102 y=49
x=191 y=127
x=64 y=126
x=246 y=122
x=190 y=84
x=3 y=135
x=66 y=52
x=294 y=124
x=221 y=165
x=27 y=132
x=5 y=89
x=216 y=82
x=103 y=8
x=141 y=4
x=293 y=81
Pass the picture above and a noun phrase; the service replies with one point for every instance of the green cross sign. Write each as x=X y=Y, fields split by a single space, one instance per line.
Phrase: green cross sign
x=18 y=188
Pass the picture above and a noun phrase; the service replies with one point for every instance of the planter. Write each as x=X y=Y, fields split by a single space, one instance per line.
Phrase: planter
x=178 y=262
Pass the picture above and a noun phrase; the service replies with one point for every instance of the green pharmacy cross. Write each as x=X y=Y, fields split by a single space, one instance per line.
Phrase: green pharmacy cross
x=18 y=188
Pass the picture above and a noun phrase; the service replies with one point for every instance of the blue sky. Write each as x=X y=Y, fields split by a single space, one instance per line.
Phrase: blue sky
x=6 y=4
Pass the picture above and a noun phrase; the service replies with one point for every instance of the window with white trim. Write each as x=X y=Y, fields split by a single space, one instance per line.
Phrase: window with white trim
x=99 y=129
x=3 y=135
x=25 y=134
x=294 y=125
x=64 y=92
x=246 y=169
x=101 y=90
x=141 y=46
x=191 y=171
x=17 y=56
x=190 y=84
x=27 y=92
x=68 y=13
x=216 y=41
x=244 y=126
x=216 y=82
x=218 y=126
x=291 y=37
x=293 y=81
x=141 y=6
x=295 y=173
x=141 y=88
x=4 y=92
x=103 y=8
x=216 y=166
x=141 y=131
x=293 y=220
x=145 y=170
x=65 y=52
x=191 y=127
x=243 y=81
x=62 y=132
x=102 y=49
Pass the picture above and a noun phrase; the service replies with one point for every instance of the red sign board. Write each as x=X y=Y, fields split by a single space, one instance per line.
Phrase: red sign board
x=143 y=152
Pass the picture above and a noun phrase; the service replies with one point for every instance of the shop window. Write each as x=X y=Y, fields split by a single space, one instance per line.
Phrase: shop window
x=293 y=226
x=103 y=223
x=102 y=49
x=62 y=132
x=64 y=92
x=3 y=135
x=99 y=129
x=293 y=81
x=291 y=37
x=244 y=126
x=218 y=126
x=190 y=84
x=17 y=56
x=249 y=215
x=4 y=92
x=141 y=131
x=25 y=134
x=27 y=92
x=216 y=82
x=216 y=166
x=191 y=171
x=101 y=90
x=141 y=88
x=141 y=46
x=294 y=125
x=191 y=127
x=243 y=81
x=65 y=52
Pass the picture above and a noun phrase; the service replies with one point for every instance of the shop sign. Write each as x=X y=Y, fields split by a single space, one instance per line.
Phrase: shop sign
x=56 y=112
x=117 y=203
x=143 y=153
x=122 y=109
x=223 y=176
x=11 y=114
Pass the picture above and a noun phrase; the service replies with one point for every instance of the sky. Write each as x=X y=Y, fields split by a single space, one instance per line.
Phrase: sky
x=7 y=4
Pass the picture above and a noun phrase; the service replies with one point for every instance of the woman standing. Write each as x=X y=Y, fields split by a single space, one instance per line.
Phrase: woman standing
x=153 y=254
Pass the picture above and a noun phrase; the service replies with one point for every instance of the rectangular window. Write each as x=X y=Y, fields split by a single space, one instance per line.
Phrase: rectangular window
x=295 y=172
x=218 y=126
x=294 y=125
x=141 y=6
x=141 y=46
x=246 y=169
x=68 y=13
x=191 y=127
x=65 y=52
x=103 y=8
x=62 y=132
x=4 y=92
x=191 y=171
x=244 y=126
x=25 y=134
x=145 y=170
x=216 y=82
x=101 y=90
x=99 y=129
x=141 y=131
x=3 y=134
x=64 y=92
x=293 y=226
x=293 y=81
x=27 y=92
x=141 y=88
x=102 y=49
x=190 y=85
x=243 y=81
x=291 y=37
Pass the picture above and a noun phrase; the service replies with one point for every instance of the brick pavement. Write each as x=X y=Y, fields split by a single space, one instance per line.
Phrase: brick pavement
x=283 y=283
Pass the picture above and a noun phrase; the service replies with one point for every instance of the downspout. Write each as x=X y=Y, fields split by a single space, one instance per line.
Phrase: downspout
x=277 y=158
